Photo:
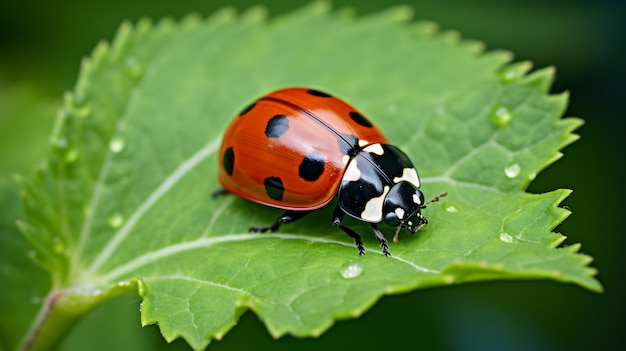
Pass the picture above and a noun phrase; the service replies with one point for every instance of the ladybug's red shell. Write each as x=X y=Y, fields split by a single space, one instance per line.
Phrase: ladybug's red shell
x=290 y=148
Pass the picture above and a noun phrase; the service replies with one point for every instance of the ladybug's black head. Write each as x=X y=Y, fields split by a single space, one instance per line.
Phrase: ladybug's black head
x=402 y=207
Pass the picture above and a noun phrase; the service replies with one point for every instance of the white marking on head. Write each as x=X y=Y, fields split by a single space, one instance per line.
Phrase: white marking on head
x=352 y=173
x=373 y=211
x=409 y=175
x=375 y=149
x=363 y=143
x=416 y=199
x=400 y=213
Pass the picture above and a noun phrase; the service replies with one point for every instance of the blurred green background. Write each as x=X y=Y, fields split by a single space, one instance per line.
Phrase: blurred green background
x=42 y=43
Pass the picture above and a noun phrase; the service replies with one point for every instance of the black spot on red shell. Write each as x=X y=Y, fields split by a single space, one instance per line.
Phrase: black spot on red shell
x=311 y=167
x=277 y=126
x=274 y=188
x=360 y=119
x=247 y=109
x=318 y=93
x=228 y=160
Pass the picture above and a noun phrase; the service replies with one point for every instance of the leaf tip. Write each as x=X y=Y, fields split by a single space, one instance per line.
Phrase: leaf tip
x=99 y=52
x=255 y=14
x=424 y=27
x=121 y=39
x=320 y=6
x=515 y=71
x=542 y=78
x=142 y=289
x=227 y=13
x=191 y=20
x=451 y=36
x=316 y=333
x=166 y=24
x=143 y=25
x=400 y=13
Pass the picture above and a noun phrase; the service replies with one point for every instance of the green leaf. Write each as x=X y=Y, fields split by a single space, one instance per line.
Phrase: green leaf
x=24 y=284
x=125 y=201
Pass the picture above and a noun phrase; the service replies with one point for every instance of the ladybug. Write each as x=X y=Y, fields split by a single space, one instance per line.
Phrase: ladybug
x=297 y=149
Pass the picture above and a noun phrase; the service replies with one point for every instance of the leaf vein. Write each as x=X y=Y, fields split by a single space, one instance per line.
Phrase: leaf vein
x=158 y=254
x=154 y=197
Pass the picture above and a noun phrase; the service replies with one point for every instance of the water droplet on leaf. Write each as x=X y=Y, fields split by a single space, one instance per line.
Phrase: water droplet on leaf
x=352 y=270
x=450 y=208
x=117 y=144
x=507 y=238
x=71 y=155
x=81 y=111
x=134 y=68
x=58 y=245
x=513 y=170
x=76 y=106
x=115 y=220
x=501 y=116
x=61 y=143
x=67 y=152
x=511 y=74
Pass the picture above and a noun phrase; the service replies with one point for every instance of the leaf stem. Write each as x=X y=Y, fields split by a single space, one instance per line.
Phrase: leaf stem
x=65 y=308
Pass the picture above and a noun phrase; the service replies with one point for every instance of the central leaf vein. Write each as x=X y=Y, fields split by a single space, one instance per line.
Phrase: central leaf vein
x=153 y=256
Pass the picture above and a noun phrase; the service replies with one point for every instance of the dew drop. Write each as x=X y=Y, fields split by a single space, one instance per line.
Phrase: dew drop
x=511 y=74
x=513 y=170
x=81 y=111
x=501 y=116
x=76 y=106
x=117 y=144
x=61 y=143
x=115 y=220
x=71 y=155
x=134 y=68
x=351 y=271
x=507 y=238
x=58 y=246
x=450 y=208
x=67 y=152
x=124 y=284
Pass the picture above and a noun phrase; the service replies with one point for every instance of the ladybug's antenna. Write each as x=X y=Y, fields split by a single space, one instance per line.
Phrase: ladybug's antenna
x=395 y=237
x=435 y=199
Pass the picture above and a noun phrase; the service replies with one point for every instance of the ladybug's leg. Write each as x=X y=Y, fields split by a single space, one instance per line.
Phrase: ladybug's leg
x=381 y=238
x=337 y=219
x=220 y=192
x=287 y=217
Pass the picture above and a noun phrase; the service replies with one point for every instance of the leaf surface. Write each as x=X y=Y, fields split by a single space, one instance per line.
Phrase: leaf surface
x=126 y=200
